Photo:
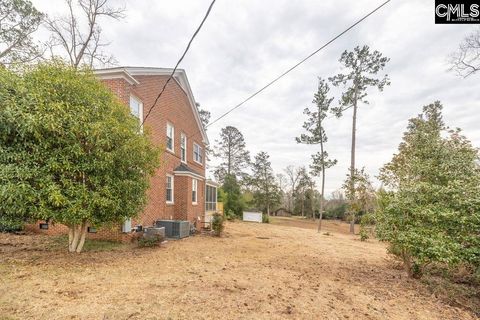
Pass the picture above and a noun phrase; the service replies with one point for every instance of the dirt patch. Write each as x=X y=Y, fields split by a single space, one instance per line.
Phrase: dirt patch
x=327 y=225
x=257 y=271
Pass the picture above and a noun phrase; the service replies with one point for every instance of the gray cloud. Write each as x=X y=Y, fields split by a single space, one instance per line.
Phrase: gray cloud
x=245 y=44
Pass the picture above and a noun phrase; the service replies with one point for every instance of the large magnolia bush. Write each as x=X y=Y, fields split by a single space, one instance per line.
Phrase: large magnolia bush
x=431 y=212
x=69 y=151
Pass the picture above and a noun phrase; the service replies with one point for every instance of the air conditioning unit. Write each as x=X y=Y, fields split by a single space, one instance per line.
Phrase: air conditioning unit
x=174 y=228
x=151 y=232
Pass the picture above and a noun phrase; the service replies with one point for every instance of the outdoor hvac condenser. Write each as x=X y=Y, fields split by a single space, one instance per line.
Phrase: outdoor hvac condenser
x=174 y=228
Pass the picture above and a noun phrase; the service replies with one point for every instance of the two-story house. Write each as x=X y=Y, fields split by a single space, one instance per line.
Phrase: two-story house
x=178 y=190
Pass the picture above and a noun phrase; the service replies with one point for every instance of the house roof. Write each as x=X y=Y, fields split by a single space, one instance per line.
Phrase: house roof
x=211 y=182
x=184 y=169
x=180 y=76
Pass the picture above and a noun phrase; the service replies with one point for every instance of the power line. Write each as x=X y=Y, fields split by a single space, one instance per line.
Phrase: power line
x=297 y=64
x=180 y=60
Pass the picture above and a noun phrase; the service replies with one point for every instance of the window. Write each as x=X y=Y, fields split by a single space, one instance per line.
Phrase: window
x=194 y=190
x=210 y=198
x=136 y=109
x=197 y=153
x=170 y=136
x=183 y=148
x=169 y=189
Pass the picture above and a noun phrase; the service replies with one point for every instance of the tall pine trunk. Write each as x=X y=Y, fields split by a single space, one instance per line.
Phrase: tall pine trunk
x=303 y=203
x=352 y=163
x=323 y=187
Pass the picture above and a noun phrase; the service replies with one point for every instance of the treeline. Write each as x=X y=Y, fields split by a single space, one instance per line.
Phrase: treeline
x=252 y=184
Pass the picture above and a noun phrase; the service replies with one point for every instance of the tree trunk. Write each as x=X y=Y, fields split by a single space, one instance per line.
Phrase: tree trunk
x=76 y=236
x=312 y=200
x=292 y=206
x=323 y=187
x=83 y=234
x=407 y=264
x=303 y=203
x=352 y=160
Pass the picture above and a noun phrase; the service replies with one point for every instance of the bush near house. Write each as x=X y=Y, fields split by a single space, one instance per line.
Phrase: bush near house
x=232 y=195
x=265 y=218
x=218 y=224
x=8 y=224
x=70 y=152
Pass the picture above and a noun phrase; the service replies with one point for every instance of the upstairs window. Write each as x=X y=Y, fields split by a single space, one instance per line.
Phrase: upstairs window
x=183 y=148
x=194 y=190
x=170 y=137
x=197 y=153
x=136 y=109
x=169 y=189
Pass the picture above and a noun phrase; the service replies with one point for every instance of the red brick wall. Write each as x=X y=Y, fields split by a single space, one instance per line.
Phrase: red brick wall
x=173 y=107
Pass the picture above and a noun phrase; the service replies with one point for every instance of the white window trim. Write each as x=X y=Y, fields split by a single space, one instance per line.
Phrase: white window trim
x=200 y=148
x=195 y=183
x=173 y=138
x=140 y=111
x=182 y=136
x=173 y=190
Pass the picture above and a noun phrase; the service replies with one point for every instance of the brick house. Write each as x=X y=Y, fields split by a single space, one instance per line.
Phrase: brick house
x=178 y=190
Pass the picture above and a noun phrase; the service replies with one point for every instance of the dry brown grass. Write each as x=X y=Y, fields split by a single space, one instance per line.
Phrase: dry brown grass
x=255 y=271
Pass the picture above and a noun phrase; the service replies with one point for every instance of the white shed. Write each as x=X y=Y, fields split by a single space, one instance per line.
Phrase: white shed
x=252 y=216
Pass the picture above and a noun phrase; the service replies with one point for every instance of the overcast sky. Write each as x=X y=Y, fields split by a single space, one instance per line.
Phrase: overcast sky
x=246 y=43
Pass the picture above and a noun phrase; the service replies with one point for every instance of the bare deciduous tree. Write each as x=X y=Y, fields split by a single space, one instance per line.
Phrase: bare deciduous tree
x=293 y=175
x=282 y=183
x=81 y=43
x=304 y=183
x=466 y=60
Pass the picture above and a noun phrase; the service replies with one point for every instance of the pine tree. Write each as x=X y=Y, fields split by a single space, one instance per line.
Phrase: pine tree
x=316 y=135
x=231 y=149
x=266 y=190
x=361 y=65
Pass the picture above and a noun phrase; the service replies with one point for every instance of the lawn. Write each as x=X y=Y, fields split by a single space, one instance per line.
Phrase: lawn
x=282 y=270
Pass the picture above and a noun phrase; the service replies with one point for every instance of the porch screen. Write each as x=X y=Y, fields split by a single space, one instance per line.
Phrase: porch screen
x=211 y=198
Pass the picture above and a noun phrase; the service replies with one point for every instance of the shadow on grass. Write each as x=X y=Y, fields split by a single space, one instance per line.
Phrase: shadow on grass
x=91 y=245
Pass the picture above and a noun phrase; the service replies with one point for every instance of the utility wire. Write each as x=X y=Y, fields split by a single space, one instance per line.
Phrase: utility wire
x=298 y=64
x=179 y=61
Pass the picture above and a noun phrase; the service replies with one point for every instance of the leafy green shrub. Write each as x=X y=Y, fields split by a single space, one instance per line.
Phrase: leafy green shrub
x=218 y=224
x=70 y=150
x=336 y=211
x=233 y=195
x=153 y=240
x=367 y=226
x=432 y=214
x=265 y=218
x=230 y=215
x=10 y=225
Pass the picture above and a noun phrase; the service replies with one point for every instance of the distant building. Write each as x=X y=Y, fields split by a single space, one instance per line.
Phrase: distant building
x=282 y=212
